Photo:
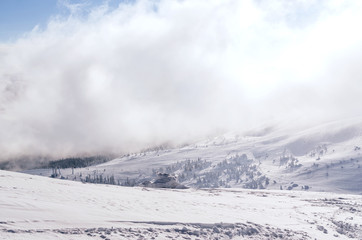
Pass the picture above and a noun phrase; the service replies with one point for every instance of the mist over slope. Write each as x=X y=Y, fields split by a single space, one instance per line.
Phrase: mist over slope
x=136 y=75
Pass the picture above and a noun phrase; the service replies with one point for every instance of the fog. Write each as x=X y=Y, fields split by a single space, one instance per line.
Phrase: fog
x=104 y=79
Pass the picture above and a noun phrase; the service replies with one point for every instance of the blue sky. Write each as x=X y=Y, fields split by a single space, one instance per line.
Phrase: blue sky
x=20 y=16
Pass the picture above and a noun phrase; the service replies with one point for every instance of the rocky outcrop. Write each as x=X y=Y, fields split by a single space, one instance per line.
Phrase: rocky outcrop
x=164 y=180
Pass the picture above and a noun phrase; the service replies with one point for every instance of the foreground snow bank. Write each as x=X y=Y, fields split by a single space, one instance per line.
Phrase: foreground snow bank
x=35 y=207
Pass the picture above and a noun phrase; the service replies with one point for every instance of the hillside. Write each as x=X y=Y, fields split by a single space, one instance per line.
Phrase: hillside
x=322 y=158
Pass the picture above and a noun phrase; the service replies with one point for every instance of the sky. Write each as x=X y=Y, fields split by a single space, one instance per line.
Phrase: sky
x=20 y=16
x=89 y=77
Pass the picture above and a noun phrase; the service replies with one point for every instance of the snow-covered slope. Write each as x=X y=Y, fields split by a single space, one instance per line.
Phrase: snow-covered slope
x=322 y=158
x=34 y=207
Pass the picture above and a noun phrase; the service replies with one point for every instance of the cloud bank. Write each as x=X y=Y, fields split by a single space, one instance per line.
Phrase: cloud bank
x=118 y=79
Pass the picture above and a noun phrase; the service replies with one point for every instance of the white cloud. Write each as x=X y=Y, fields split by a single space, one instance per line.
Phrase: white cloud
x=119 y=79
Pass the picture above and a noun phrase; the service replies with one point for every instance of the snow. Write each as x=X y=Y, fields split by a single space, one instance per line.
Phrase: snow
x=320 y=166
x=324 y=157
x=34 y=207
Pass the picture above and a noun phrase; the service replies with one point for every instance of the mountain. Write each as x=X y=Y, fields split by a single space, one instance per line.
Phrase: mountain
x=325 y=157
x=273 y=183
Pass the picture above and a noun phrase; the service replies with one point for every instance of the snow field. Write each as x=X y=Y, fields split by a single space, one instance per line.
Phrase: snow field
x=41 y=208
